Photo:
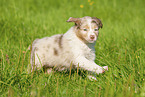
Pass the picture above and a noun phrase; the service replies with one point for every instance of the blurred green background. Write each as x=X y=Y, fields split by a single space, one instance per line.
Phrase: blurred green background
x=121 y=46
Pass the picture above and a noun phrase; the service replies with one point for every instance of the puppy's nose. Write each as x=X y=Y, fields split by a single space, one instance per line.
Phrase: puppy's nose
x=92 y=37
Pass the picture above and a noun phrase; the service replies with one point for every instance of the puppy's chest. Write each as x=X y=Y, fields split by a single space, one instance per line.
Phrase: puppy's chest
x=89 y=53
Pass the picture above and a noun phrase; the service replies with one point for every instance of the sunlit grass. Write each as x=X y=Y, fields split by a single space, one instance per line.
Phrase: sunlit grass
x=120 y=46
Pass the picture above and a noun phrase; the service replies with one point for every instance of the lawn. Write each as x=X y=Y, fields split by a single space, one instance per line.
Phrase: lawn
x=121 y=46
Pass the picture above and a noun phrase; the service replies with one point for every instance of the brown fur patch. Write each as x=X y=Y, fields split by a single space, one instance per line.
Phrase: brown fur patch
x=86 y=27
x=55 y=52
x=60 y=41
x=81 y=35
x=97 y=21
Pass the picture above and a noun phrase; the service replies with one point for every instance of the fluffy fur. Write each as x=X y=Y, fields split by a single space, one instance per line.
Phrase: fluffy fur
x=74 y=48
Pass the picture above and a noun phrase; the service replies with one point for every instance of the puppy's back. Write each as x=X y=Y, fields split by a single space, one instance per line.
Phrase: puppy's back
x=51 y=51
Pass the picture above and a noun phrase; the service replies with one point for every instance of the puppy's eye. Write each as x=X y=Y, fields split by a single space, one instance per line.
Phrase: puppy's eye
x=85 y=29
x=95 y=29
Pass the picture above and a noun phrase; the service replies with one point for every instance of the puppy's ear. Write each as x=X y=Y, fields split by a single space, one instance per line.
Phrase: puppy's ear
x=77 y=21
x=97 y=21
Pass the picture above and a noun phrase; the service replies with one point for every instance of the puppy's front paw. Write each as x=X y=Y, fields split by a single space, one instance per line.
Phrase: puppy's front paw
x=102 y=70
x=105 y=67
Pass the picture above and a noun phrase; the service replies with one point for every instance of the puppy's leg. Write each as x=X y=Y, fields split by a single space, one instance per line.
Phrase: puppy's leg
x=36 y=62
x=92 y=78
x=49 y=70
x=90 y=65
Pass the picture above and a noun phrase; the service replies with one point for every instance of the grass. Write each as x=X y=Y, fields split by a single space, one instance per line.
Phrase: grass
x=120 y=46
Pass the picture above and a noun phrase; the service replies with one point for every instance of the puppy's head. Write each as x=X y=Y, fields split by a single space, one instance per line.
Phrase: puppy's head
x=87 y=28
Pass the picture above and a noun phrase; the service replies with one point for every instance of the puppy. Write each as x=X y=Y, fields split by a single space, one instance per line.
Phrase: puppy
x=73 y=49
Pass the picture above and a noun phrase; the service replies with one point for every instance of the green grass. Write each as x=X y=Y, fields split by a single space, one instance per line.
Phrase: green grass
x=121 y=46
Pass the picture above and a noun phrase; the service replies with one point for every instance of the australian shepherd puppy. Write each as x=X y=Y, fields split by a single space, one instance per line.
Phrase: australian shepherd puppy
x=73 y=49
